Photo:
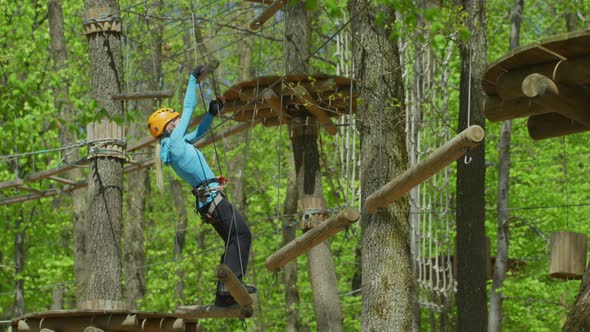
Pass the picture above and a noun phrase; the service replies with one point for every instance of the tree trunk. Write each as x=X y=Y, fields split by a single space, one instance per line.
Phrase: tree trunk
x=68 y=136
x=328 y=310
x=501 y=264
x=387 y=277
x=578 y=319
x=290 y=269
x=180 y=234
x=327 y=307
x=103 y=290
x=19 y=267
x=134 y=253
x=470 y=238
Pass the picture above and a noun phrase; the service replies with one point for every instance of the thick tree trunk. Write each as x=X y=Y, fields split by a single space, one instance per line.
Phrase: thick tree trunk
x=68 y=136
x=134 y=254
x=290 y=269
x=327 y=307
x=470 y=238
x=19 y=267
x=103 y=290
x=387 y=277
x=501 y=264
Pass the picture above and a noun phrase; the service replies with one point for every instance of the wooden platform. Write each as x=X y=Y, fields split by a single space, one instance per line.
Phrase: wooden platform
x=266 y=98
x=103 y=320
x=547 y=81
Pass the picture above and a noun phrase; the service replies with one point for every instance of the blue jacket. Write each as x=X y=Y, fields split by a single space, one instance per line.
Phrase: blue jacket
x=178 y=150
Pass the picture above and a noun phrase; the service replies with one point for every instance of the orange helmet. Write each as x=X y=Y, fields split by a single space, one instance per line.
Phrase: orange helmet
x=159 y=119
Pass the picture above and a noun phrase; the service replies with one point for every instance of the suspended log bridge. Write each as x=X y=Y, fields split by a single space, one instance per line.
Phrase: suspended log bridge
x=312 y=238
x=442 y=157
x=103 y=320
x=546 y=82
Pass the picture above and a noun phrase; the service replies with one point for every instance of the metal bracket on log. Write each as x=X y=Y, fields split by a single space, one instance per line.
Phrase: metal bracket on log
x=101 y=19
x=312 y=211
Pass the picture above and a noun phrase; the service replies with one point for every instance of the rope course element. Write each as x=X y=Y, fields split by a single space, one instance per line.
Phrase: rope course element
x=431 y=215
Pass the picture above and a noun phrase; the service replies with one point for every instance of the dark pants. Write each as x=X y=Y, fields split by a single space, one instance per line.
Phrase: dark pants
x=234 y=231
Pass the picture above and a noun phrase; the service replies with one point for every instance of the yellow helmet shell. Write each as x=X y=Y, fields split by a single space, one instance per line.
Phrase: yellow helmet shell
x=159 y=119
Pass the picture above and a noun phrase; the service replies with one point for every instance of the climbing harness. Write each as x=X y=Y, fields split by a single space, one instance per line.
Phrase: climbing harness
x=203 y=192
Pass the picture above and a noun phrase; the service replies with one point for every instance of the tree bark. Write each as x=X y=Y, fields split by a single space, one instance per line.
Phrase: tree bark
x=501 y=263
x=134 y=249
x=103 y=290
x=290 y=269
x=470 y=222
x=387 y=277
x=19 y=267
x=327 y=307
x=180 y=234
x=68 y=136
x=578 y=319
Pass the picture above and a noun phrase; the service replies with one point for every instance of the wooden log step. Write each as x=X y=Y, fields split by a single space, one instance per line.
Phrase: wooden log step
x=312 y=238
x=233 y=285
x=420 y=172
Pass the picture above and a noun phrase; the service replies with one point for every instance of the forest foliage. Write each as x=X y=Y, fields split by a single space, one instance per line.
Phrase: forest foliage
x=548 y=192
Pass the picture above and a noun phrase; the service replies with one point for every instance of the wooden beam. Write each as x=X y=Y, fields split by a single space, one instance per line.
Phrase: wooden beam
x=568 y=101
x=62 y=180
x=211 y=311
x=29 y=189
x=233 y=285
x=312 y=238
x=324 y=119
x=11 y=184
x=144 y=95
x=267 y=14
x=423 y=170
x=553 y=125
x=47 y=173
x=570 y=72
x=495 y=109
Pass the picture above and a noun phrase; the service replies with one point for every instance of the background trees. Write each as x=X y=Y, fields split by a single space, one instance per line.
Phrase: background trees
x=40 y=231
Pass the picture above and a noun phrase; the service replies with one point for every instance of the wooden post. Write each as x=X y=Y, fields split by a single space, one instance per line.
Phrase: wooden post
x=420 y=172
x=568 y=255
x=211 y=311
x=553 y=125
x=267 y=14
x=233 y=285
x=312 y=238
